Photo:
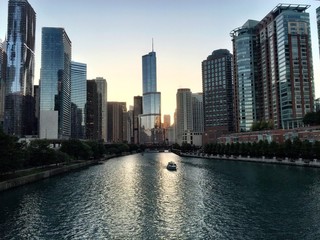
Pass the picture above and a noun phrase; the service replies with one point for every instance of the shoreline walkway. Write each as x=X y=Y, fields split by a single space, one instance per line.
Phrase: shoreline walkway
x=286 y=161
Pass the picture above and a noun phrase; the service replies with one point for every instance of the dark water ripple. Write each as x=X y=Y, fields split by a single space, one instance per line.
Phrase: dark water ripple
x=135 y=197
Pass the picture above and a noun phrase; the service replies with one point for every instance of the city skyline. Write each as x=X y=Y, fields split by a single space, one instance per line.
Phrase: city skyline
x=183 y=37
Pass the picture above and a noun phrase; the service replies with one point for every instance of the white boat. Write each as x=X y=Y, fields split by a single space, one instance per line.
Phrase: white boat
x=172 y=166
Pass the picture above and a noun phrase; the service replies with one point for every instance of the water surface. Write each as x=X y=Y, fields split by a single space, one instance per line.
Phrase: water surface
x=136 y=197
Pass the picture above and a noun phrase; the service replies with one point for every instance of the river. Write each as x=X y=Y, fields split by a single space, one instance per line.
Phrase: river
x=136 y=197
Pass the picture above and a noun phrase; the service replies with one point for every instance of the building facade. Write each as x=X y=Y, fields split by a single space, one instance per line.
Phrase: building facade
x=96 y=109
x=117 y=122
x=217 y=86
x=137 y=111
x=78 y=99
x=55 y=84
x=3 y=58
x=102 y=89
x=273 y=71
x=150 y=120
x=93 y=132
x=184 y=114
x=19 y=104
x=197 y=112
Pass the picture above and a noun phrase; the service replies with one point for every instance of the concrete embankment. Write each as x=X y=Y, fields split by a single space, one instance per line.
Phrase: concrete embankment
x=285 y=161
x=16 y=182
x=19 y=181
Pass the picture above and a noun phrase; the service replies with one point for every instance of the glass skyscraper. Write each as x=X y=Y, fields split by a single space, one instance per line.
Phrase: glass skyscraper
x=78 y=99
x=273 y=70
x=55 y=84
x=150 y=120
x=19 y=104
x=244 y=42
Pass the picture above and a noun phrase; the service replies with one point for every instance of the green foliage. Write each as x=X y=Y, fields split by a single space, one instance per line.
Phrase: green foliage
x=292 y=149
x=76 y=149
x=40 y=153
x=312 y=118
x=10 y=153
x=97 y=149
x=176 y=146
x=262 y=125
x=117 y=148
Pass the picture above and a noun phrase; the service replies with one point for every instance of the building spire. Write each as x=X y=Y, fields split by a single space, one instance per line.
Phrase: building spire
x=152 y=45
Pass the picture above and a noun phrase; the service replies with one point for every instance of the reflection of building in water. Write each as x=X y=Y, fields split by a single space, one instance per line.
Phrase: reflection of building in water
x=150 y=119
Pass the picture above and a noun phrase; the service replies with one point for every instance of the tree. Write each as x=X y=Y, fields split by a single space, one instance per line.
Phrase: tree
x=76 y=149
x=40 y=153
x=312 y=118
x=97 y=149
x=10 y=153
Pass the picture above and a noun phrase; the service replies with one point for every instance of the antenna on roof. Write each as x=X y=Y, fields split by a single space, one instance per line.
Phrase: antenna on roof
x=152 y=45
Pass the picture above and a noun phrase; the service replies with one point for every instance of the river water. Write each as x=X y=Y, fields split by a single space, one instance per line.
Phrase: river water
x=136 y=197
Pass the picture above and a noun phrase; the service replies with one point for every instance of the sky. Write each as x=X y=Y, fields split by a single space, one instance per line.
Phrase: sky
x=111 y=36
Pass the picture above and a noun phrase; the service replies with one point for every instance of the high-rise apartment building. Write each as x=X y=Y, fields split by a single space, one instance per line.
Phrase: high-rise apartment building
x=184 y=114
x=117 y=121
x=166 y=121
x=197 y=112
x=36 y=90
x=273 y=71
x=150 y=120
x=92 y=119
x=55 y=84
x=137 y=111
x=217 y=95
x=96 y=114
x=3 y=58
x=102 y=88
x=19 y=104
x=78 y=99
x=188 y=118
x=128 y=128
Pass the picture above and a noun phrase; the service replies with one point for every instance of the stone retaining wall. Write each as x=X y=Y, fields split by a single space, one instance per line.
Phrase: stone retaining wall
x=285 y=161
x=12 y=183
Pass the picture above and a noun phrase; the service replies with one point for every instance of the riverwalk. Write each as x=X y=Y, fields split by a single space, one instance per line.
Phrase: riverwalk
x=282 y=161
x=46 y=173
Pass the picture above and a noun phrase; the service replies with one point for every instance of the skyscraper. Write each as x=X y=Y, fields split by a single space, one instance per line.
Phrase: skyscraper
x=3 y=58
x=55 y=84
x=117 y=122
x=78 y=99
x=273 y=72
x=137 y=111
x=102 y=89
x=217 y=95
x=150 y=120
x=184 y=114
x=18 y=118
x=166 y=121
x=197 y=112
x=96 y=123
x=92 y=119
